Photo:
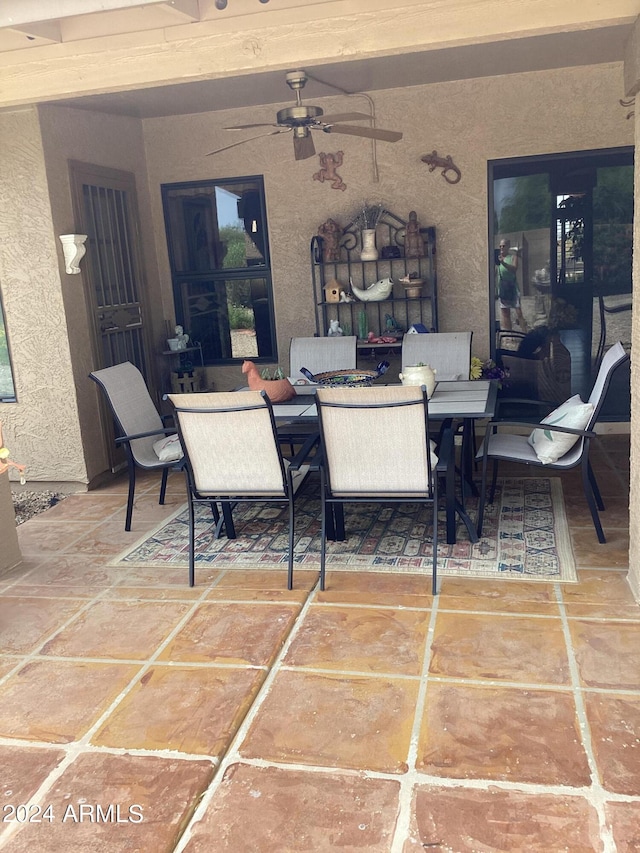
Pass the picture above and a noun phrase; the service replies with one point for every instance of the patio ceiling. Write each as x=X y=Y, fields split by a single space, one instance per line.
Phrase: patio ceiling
x=442 y=40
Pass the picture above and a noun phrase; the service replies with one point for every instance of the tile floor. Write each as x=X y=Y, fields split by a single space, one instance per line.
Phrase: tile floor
x=139 y=714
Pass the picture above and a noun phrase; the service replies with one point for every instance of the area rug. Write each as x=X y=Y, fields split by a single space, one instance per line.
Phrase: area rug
x=525 y=536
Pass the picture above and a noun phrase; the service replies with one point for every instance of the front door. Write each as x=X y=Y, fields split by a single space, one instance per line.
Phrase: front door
x=105 y=208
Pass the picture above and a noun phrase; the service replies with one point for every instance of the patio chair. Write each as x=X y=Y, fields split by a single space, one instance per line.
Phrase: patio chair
x=560 y=441
x=376 y=448
x=251 y=467
x=138 y=426
x=448 y=353
x=319 y=355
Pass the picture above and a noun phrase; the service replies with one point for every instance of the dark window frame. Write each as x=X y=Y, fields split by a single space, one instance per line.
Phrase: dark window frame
x=256 y=273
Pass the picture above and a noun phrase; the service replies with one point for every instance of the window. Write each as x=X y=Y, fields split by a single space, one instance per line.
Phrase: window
x=561 y=241
x=220 y=267
x=7 y=388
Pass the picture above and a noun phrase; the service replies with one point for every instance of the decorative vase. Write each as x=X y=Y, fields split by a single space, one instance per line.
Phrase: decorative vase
x=369 y=251
x=419 y=374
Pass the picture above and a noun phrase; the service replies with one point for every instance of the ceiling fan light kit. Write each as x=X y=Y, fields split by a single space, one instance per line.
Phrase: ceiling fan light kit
x=301 y=119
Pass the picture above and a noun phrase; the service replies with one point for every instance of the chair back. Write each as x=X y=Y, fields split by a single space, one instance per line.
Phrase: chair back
x=322 y=354
x=230 y=443
x=376 y=441
x=132 y=407
x=448 y=353
x=611 y=360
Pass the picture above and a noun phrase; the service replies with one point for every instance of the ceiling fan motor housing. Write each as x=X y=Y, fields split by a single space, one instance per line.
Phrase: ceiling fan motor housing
x=298 y=116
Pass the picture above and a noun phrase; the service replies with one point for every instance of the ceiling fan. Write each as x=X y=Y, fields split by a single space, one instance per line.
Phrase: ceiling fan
x=302 y=119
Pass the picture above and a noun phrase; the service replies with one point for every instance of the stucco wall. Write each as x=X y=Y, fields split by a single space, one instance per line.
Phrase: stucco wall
x=472 y=120
x=109 y=141
x=41 y=428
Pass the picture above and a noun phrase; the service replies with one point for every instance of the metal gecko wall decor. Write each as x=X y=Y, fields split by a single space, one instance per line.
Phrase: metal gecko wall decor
x=434 y=161
x=328 y=165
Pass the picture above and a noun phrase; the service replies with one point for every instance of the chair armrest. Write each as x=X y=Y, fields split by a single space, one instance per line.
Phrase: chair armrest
x=550 y=427
x=123 y=439
x=169 y=421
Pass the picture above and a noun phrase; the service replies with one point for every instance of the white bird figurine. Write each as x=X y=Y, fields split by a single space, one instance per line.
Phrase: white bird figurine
x=375 y=292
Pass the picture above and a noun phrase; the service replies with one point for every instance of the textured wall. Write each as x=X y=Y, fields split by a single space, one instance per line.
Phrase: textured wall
x=41 y=428
x=472 y=120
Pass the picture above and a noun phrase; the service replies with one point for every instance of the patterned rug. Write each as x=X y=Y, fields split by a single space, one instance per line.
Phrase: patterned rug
x=525 y=536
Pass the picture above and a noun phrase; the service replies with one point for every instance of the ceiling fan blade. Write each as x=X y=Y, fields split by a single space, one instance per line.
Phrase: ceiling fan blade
x=369 y=132
x=303 y=147
x=242 y=141
x=249 y=126
x=334 y=117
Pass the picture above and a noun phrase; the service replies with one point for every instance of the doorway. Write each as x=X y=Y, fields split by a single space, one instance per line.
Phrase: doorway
x=567 y=224
x=105 y=209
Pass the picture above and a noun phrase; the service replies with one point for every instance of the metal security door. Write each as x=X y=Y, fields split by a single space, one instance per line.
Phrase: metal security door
x=106 y=210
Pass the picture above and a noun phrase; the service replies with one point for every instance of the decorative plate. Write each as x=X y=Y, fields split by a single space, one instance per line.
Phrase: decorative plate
x=346 y=377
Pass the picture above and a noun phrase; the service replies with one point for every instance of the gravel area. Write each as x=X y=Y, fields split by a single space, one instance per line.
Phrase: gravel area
x=26 y=504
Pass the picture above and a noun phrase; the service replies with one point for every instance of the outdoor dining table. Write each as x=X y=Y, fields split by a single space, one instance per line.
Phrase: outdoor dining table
x=452 y=402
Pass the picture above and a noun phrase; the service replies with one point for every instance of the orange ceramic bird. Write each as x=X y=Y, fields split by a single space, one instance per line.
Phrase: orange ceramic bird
x=277 y=390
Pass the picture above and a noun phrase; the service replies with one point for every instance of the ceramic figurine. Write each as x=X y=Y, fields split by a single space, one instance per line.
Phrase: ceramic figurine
x=376 y=292
x=277 y=390
x=334 y=330
x=419 y=374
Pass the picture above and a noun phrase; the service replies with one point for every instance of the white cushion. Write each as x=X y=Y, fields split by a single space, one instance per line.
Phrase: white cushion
x=549 y=446
x=168 y=449
x=432 y=454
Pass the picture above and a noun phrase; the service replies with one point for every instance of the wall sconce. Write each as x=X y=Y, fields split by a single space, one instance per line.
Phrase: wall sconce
x=74 y=250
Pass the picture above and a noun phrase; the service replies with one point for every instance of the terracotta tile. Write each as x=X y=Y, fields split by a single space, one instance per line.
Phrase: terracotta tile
x=615 y=734
x=264 y=581
x=45 y=537
x=153 y=593
x=75 y=570
x=26 y=622
x=7 y=664
x=467 y=820
x=589 y=553
x=84 y=506
x=23 y=591
x=361 y=639
x=352 y=722
x=377 y=588
x=110 y=538
x=164 y=790
x=624 y=820
x=22 y=771
x=494 y=596
x=499 y=733
x=616 y=514
x=162 y=576
x=297 y=596
x=146 y=507
x=118 y=629
x=506 y=648
x=33 y=709
x=607 y=653
x=196 y=710
x=233 y=633
x=288 y=811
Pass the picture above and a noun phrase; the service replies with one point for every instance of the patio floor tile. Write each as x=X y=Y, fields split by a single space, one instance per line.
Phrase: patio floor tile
x=468 y=821
x=117 y=629
x=377 y=588
x=335 y=721
x=91 y=506
x=25 y=623
x=289 y=811
x=22 y=771
x=242 y=634
x=188 y=709
x=505 y=648
x=361 y=639
x=615 y=732
x=589 y=553
x=624 y=820
x=499 y=733
x=607 y=653
x=498 y=596
x=46 y=537
x=164 y=791
x=57 y=701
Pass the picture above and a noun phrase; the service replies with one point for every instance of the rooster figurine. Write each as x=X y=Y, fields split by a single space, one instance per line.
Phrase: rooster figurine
x=277 y=390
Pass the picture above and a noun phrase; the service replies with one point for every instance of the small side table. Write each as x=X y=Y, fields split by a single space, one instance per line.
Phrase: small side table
x=185 y=376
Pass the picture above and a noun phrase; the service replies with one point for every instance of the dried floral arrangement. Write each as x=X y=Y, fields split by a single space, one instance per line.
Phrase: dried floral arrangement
x=368 y=215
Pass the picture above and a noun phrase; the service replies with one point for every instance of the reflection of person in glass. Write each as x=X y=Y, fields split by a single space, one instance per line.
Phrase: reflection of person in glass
x=507 y=286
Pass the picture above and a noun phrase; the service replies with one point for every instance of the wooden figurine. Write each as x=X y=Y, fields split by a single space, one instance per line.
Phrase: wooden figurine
x=277 y=390
x=330 y=232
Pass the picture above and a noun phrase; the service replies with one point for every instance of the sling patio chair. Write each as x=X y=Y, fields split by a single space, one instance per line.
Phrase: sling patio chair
x=320 y=355
x=232 y=455
x=448 y=353
x=376 y=448
x=559 y=442
x=148 y=443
